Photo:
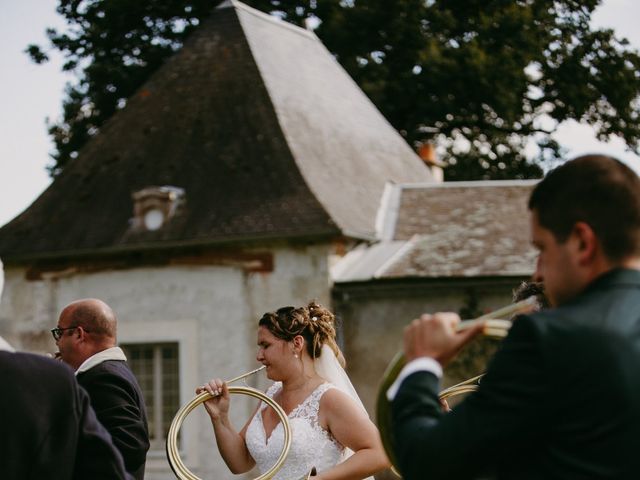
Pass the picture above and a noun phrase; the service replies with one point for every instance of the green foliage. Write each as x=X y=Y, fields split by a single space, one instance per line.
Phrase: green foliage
x=113 y=45
x=482 y=79
x=486 y=78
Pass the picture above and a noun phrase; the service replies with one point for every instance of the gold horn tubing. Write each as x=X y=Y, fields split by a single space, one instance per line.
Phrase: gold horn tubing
x=452 y=392
x=494 y=327
x=466 y=386
x=173 y=455
x=245 y=375
x=470 y=382
x=523 y=306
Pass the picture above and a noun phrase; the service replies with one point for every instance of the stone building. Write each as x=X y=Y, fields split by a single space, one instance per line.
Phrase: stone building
x=226 y=187
x=459 y=246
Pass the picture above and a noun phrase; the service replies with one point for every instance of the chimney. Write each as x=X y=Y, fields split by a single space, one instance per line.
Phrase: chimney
x=427 y=152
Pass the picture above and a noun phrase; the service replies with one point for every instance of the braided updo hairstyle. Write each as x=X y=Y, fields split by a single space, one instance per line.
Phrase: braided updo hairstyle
x=314 y=323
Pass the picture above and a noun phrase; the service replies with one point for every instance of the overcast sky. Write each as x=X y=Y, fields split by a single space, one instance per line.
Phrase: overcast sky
x=30 y=93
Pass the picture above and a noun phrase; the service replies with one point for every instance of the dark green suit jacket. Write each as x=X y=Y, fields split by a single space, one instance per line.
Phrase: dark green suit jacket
x=561 y=398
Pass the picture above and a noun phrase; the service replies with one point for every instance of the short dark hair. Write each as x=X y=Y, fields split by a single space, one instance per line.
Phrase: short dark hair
x=598 y=190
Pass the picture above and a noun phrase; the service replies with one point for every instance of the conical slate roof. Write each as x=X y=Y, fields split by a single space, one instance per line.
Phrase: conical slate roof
x=255 y=121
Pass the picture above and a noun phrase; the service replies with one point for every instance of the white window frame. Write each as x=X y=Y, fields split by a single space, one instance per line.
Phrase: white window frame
x=157 y=392
x=185 y=333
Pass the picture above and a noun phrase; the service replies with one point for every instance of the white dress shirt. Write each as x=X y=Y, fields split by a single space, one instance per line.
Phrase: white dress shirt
x=421 y=364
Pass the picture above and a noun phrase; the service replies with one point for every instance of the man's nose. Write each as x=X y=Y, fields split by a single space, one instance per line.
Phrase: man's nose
x=537 y=275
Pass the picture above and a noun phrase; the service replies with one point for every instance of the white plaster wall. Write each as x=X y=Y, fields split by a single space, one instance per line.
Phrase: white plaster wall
x=212 y=311
x=300 y=275
x=28 y=311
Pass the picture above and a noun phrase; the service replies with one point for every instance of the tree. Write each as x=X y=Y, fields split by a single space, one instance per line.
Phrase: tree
x=113 y=46
x=484 y=79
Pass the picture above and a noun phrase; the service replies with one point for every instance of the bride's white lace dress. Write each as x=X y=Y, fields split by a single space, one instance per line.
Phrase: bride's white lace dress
x=311 y=445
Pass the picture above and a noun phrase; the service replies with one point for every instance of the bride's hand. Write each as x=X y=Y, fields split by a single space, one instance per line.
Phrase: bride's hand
x=217 y=406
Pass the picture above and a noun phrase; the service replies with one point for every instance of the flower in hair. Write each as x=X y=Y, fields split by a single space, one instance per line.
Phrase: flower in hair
x=314 y=318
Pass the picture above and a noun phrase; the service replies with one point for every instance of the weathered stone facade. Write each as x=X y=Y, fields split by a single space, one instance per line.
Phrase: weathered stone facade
x=374 y=316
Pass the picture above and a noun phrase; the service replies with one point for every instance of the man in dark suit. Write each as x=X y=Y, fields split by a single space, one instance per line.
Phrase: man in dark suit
x=49 y=429
x=86 y=339
x=561 y=398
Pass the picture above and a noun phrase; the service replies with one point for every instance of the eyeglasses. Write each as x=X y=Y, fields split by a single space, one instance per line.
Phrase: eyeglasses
x=57 y=332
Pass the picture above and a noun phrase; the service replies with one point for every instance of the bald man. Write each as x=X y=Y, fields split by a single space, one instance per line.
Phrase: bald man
x=86 y=336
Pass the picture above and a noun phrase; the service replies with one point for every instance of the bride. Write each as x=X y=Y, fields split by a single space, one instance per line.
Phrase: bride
x=331 y=430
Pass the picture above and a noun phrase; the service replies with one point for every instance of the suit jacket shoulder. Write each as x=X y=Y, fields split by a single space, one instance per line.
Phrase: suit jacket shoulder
x=119 y=404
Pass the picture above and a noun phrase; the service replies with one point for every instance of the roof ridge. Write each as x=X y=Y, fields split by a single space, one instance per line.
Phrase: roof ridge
x=388 y=211
x=270 y=18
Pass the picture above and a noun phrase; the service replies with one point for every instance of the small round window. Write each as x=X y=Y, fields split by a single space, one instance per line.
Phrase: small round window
x=153 y=219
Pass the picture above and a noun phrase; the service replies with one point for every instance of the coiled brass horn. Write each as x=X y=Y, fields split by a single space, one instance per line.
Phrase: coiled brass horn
x=173 y=455
x=467 y=386
x=494 y=327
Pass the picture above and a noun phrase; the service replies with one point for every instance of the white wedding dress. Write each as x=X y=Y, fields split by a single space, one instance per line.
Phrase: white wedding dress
x=311 y=445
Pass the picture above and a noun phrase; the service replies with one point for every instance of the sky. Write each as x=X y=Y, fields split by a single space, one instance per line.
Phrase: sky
x=30 y=93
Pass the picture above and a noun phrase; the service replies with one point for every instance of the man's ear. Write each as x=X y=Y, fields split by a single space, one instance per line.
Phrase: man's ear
x=81 y=333
x=586 y=241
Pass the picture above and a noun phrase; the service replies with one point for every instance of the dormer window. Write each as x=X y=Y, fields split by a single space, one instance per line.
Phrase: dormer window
x=153 y=207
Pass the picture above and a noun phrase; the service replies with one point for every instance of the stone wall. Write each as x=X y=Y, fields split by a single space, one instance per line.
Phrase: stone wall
x=373 y=317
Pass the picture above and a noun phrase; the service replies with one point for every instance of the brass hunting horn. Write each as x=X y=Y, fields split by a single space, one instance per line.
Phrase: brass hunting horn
x=494 y=328
x=173 y=455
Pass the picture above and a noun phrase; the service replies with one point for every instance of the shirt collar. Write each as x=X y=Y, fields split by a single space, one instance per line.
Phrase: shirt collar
x=113 y=353
x=616 y=276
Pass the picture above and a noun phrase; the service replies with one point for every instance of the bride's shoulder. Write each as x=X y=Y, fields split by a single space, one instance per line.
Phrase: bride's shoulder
x=337 y=408
x=334 y=398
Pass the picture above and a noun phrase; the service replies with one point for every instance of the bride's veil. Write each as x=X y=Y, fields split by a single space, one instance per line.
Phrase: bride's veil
x=329 y=368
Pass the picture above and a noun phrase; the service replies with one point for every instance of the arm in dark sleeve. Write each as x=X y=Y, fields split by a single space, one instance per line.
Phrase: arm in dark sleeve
x=485 y=426
x=114 y=401
x=49 y=428
x=97 y=458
